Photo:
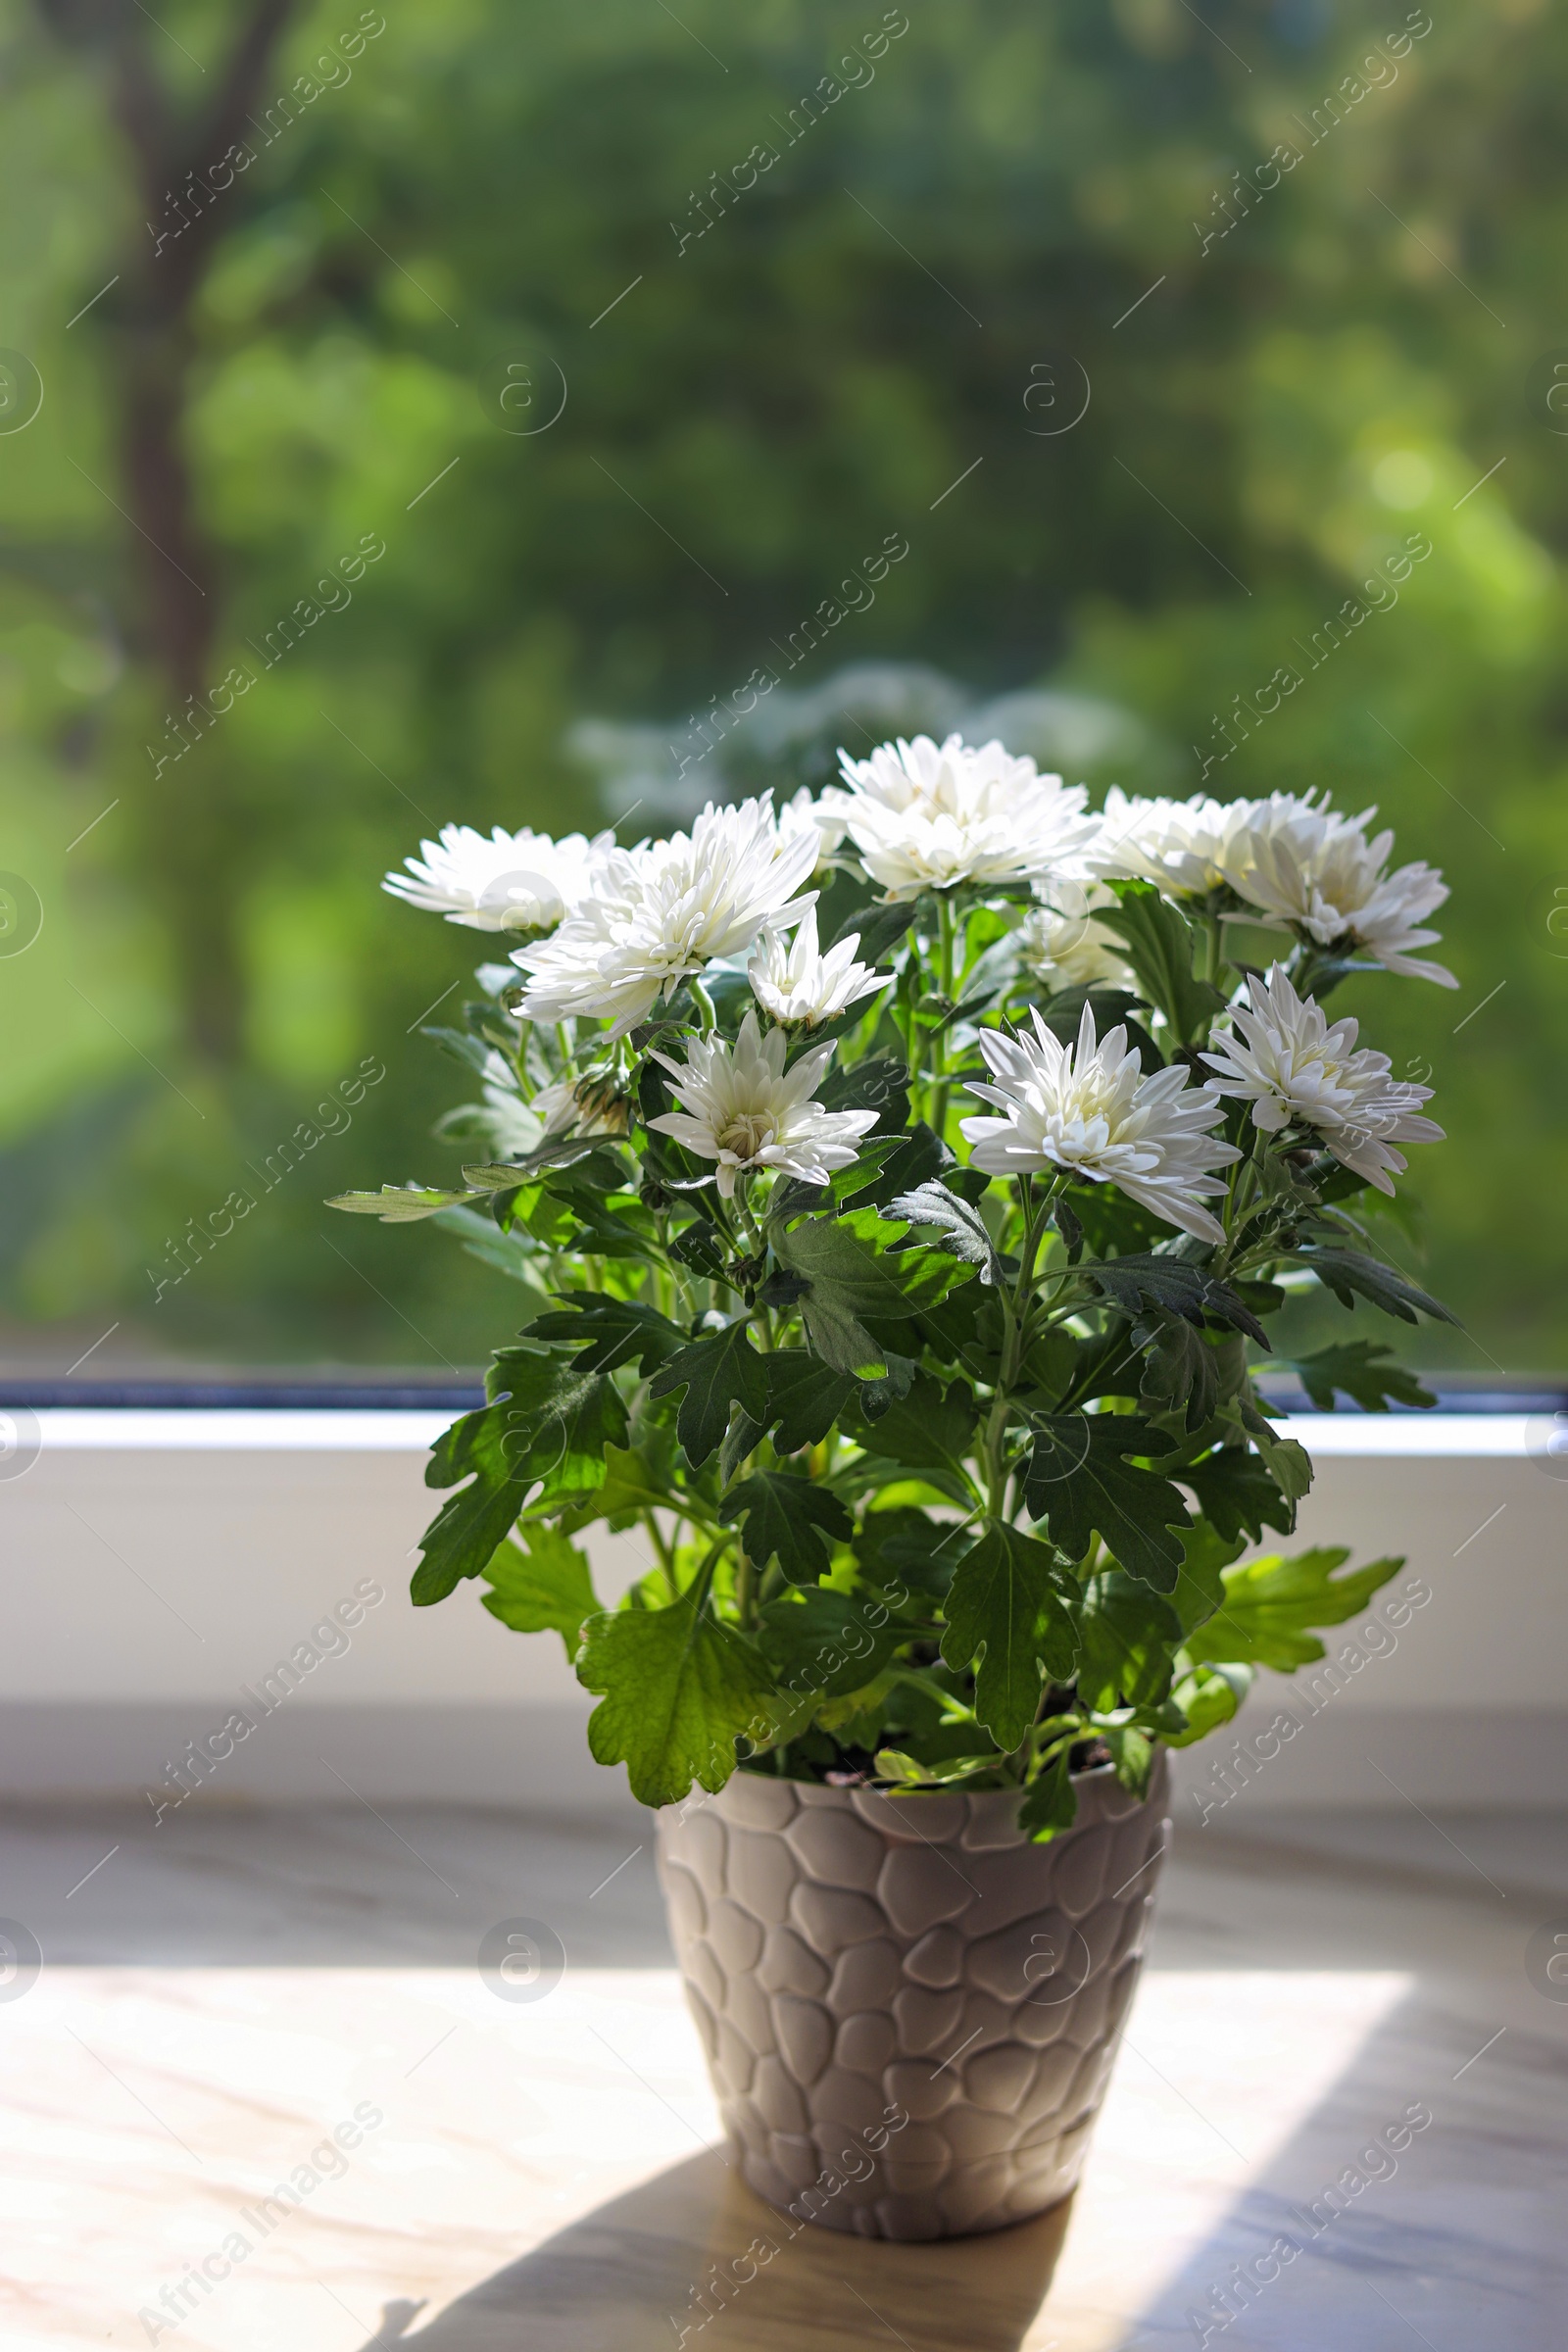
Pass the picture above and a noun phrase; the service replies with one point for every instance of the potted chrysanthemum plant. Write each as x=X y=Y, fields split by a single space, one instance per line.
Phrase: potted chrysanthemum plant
x=897 y=1183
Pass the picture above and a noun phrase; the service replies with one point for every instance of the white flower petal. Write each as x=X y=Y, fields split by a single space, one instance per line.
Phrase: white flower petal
x=1283 y=1056
x=665 y=910
x=798 y=986
x=930 y=818
x=1089 y=1109
x=1063 y=947
x=744 y=1110
x=513 y=882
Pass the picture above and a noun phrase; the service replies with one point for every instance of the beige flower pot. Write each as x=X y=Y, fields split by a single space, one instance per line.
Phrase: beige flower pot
x=909 y=2010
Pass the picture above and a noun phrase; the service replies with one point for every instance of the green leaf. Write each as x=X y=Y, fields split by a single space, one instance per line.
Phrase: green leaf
x=1006 y=1607
x=1347 y=1271
x=545 y=1586
x=1237 y=1496
x=473 y=1051
x=880 y=930
x=720 y=1369
x=1181 y=1371
x=915 y=1157
x=862 y=1177
x=803 y=1397
x=1158 y=945
x=928 y=1429
x=1112 y=1008
x=831 y=1251
x=943 y=1744
x=962 y=1228
x=905 y=1547
x=896 y=1383
x=1113 y=1223
x=790 y=1519
x=741 y=1440
x=1365 y=1370
x=614 y=1223
x=838 y=1335
x=1049 y=1368
x=1174 y=1286
x=1062 y=1011
x=556 y=1420
x=882 y=1086
x=1081 y=1482
x=700 y=1246
x=1069 y=1225
x=560 y=1152
x=512 y=1254
x=1051 y=1802
x=1271 y=1603
x=550 y=1422
x=679 y=1689
x=1126 y=1637
x=611 y=1332
x=1288 y=1462
x=629 y=1487
x=1132 y=1752
x=849 y=1278
x=462 y=1539
x=1199 y=1588
x=855 y=1718
x=975 y=1767
x=398 y=1204
x=826 y=1641
x=1208 y=1696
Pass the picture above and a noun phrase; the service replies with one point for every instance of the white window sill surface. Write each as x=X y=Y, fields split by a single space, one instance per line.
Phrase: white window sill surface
x=296 y=1430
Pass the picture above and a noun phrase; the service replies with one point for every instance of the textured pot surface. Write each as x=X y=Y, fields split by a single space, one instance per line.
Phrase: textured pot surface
x=909 y=2010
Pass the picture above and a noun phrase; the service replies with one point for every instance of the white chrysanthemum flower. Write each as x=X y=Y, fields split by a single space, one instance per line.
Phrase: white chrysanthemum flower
x=584 y=1106
x=828 y=812
x=513 y=882
x=1283 y=1056
x=1334 y=885
x=1063 y=947
x=800 y=987
x=591 y=1105
x=744 y=1109
x=666 y=911
x=928 y=818
x=1087 y=1109
x=1190 y=847
x=1179 y=844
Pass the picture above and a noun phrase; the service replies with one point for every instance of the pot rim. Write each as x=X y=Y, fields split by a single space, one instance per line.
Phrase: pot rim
x=1090 y=1773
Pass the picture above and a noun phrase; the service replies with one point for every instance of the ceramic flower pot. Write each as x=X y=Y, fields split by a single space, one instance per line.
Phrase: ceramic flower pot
x=909 y=2010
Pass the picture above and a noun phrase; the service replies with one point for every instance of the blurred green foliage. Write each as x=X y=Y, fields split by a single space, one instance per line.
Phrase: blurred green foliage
x=998 y=200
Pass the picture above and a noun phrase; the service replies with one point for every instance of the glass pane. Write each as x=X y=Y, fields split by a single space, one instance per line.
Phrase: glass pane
x=519 y=416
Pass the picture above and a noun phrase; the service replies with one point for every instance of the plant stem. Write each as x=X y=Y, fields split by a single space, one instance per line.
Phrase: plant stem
x=665 y=1552
x=1015 y=1315
x=702 y=1584
x=937 y=1111
x=920 y=1678
x=743 y=1210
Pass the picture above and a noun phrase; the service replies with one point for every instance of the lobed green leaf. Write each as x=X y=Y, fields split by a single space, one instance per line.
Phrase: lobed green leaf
x=1007 y=1613
x=544 y=1586
x=718 y=1370
x=1271 y=1604
x=790 y=1519
x=678 y=1689
x=1082 y=1481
